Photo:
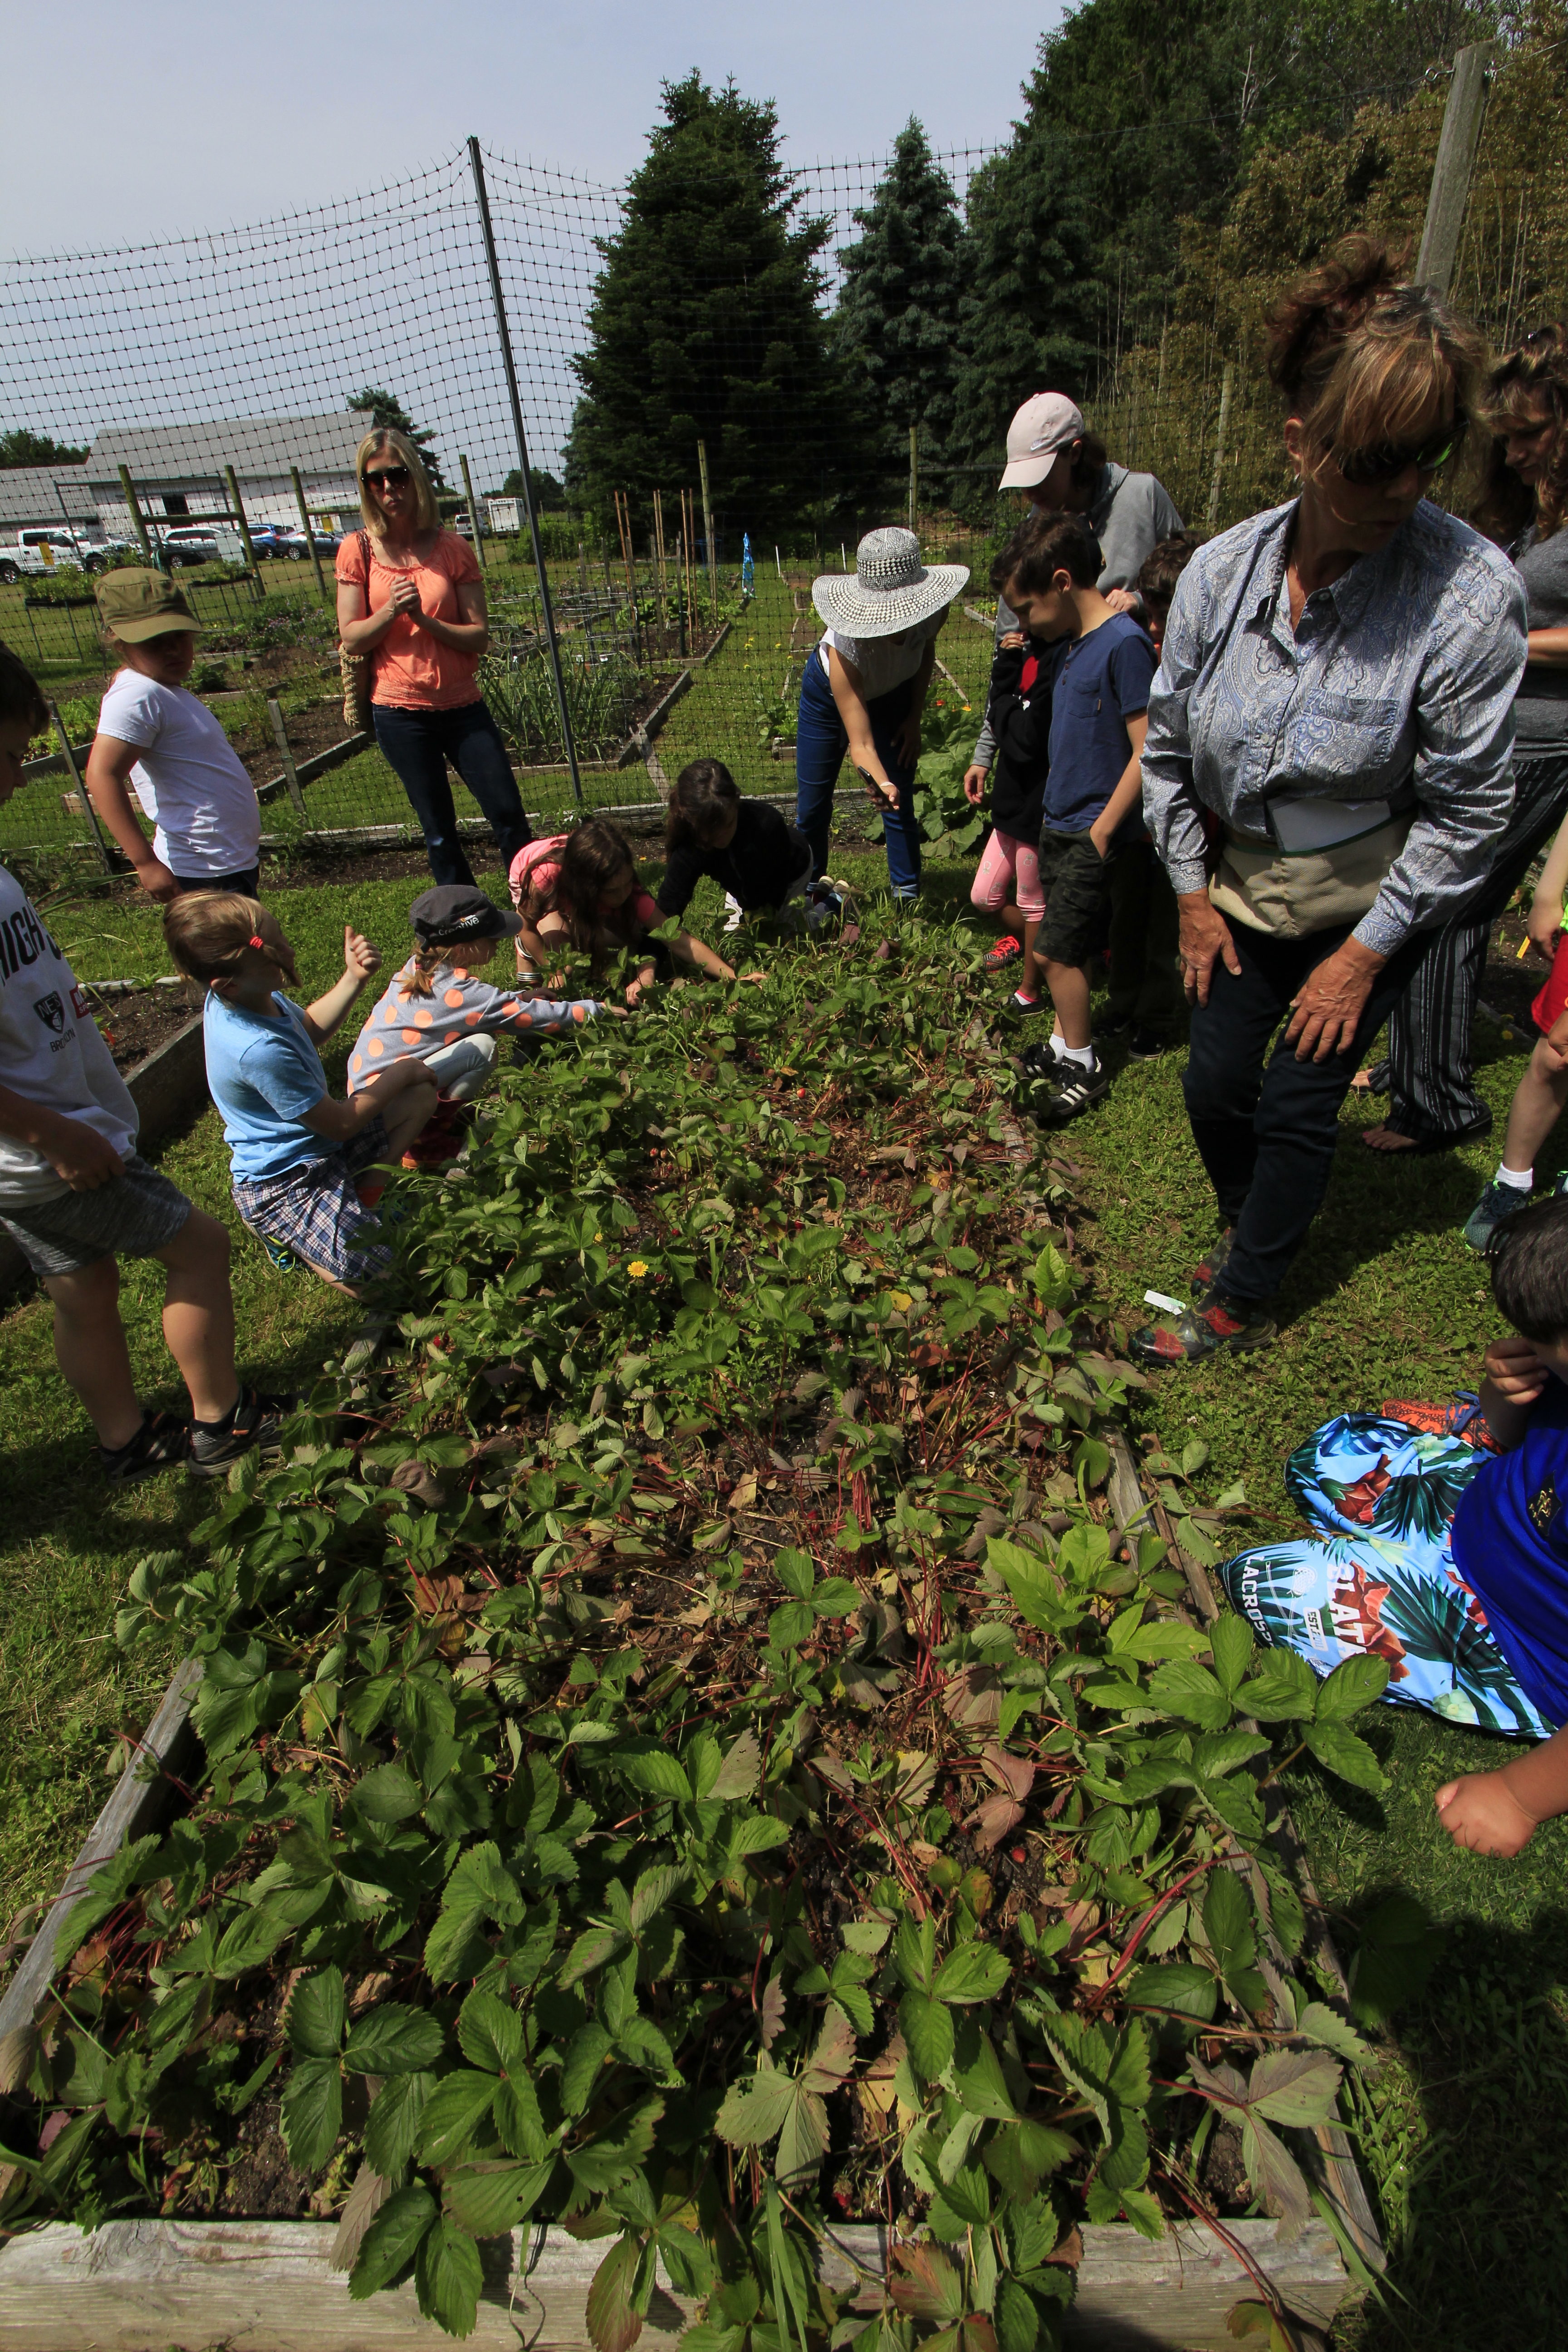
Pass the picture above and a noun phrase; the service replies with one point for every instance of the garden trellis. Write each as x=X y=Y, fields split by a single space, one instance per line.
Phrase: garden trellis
x=663 y=654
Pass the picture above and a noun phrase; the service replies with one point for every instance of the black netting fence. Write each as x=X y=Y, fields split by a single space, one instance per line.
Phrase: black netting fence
x=220 y=383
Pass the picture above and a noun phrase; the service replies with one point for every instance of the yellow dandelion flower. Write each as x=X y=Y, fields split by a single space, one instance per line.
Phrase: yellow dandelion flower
x=637 y=1268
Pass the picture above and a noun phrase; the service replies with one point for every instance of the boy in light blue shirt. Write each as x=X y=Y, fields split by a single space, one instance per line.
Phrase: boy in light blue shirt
x=300 y=1161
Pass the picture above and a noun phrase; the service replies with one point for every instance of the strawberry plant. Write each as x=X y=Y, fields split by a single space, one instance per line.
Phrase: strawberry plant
x=688 y=1754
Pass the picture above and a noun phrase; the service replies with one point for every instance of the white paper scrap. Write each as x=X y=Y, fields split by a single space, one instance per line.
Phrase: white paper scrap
x=1166 y=1305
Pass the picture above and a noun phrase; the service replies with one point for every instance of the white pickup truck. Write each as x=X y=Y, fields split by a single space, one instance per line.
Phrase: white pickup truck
x=54 y=548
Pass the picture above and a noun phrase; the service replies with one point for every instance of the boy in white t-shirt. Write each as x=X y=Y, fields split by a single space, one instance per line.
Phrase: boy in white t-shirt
x=76 y=1195
x=156 y=737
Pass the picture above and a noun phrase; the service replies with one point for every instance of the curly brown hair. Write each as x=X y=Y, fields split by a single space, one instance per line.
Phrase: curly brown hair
x=1529 y=386
x=1362 y=356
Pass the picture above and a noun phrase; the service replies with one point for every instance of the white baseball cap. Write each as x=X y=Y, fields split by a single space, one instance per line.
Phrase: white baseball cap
x=1043 y=426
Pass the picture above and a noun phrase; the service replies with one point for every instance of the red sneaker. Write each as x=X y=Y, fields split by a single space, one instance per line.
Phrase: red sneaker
x=1006 y=950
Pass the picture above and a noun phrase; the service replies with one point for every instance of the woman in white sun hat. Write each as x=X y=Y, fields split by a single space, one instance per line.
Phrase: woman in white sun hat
x=865 y=689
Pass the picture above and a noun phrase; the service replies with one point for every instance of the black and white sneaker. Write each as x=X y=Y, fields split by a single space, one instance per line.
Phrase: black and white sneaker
x=1145 y=1046
x=254 y=1423
x=1077 y=1089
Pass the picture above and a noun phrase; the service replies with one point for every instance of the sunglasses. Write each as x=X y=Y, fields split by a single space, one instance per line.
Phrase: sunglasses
x=1390 y=460
x=388 y=477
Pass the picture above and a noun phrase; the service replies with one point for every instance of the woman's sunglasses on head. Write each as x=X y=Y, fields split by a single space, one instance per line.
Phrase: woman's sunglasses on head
x=1386 y=462
x=387 y=478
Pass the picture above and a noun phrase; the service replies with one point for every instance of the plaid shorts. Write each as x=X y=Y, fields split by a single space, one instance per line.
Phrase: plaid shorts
x=315 y=1212
x=130 y=1216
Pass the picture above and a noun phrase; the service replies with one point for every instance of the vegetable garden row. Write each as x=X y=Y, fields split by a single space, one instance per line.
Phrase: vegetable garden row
x=689 y=1756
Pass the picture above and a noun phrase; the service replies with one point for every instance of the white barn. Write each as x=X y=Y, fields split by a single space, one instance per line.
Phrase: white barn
x=177 y=470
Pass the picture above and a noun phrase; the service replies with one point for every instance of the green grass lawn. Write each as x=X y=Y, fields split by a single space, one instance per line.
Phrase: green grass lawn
x=1463 y=2135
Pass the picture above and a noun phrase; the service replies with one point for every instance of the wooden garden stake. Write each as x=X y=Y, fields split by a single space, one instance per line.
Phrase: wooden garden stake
x=82 y=795
x=290 y=773
x=708 y=530
x=238 y=503
x=473 y=510
x=1226 y=382
x=310 y=534
x=1456 y=147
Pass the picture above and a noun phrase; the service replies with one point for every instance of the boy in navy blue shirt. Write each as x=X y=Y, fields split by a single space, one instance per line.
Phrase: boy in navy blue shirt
x=1099 y=715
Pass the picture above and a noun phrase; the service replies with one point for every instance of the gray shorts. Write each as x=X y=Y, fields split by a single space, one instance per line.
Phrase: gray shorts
x=132 y=1216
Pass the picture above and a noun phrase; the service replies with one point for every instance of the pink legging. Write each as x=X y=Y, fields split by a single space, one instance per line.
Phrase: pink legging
x=1009 y=875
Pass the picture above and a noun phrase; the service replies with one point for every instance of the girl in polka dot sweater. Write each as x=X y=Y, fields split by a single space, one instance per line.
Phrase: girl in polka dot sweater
x=437 y=1008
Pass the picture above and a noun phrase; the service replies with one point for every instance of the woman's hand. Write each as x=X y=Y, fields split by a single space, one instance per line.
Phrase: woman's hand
x=1482 y=1812
x=878 y=787
x=1514 y=1369
x=1204 y=939
x=975 y=783
x=404 y=599
x=1331 y=1001
x=1121 y=600
x=907 y=739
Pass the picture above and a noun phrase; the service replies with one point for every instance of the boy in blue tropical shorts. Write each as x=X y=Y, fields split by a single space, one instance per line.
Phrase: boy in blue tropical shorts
x=1444 y=1548
x=301 y=1162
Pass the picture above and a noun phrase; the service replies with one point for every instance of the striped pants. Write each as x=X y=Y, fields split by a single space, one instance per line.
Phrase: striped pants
x=1429 y=1071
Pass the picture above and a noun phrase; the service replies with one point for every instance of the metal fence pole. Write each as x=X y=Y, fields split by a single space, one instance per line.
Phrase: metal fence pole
x=473 y=511
x=232 y=479
x=137 y=523
x=310 y=534
x=482 y=195
x=914 y=471
x=1451 y=173
x=88 y=812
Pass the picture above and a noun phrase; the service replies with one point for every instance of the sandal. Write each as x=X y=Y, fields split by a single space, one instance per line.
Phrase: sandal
x=162 y=1443
x=1007 y=949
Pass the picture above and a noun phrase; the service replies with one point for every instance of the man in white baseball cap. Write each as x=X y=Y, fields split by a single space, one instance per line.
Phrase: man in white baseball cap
x=1061 y=467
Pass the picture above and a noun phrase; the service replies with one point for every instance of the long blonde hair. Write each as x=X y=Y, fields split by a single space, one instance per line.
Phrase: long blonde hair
x=427 y=514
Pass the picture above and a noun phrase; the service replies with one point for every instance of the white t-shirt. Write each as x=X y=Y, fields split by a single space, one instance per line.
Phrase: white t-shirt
x=191 y=782
x=50 y=1050
x=883 y=662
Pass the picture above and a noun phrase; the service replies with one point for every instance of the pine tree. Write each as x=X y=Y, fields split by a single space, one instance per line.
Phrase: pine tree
x=1027 y=314
x=706 y=326
x=23 y=447
x=387 y=414
x=897 y=316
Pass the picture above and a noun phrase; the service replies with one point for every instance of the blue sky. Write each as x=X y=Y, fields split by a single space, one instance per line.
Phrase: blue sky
x=124 y=123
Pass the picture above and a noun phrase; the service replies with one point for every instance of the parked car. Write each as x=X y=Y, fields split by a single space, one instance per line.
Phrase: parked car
x=55 y=549
x=296 y=547
x=204 y=542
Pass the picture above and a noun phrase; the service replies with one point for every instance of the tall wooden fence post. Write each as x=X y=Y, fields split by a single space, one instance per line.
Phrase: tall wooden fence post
x=310 y=534
x=707 y=533
x=137 y=524
x=914 y=470
x=473 y=511
x=1225 y=383
x=232 y=479
x=1451 y=188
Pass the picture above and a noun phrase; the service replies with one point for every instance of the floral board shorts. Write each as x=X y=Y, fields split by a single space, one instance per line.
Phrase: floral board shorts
x=1382 y=1579
x=136 y=1214
x=316 y=1213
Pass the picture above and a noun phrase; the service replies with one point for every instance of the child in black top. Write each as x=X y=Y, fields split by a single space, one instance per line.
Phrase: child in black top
x=762 y=861
x=1018 y=714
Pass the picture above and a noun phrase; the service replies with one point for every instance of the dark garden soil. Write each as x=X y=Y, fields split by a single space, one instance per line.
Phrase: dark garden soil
x=136 y=1024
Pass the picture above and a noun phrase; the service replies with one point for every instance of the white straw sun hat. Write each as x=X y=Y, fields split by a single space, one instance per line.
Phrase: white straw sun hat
x=892 y=590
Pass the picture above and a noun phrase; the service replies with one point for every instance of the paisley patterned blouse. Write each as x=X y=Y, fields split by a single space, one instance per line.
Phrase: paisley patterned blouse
x=1398 y=685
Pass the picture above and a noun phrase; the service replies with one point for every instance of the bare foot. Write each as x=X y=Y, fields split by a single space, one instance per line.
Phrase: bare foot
x=1388 y=1139
x=1362 y=1083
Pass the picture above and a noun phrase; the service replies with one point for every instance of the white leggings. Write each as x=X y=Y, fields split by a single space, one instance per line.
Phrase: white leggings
x=460 y=1070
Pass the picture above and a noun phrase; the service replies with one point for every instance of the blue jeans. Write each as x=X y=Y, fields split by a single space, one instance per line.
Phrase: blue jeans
x=417 y=744
x=820 y=744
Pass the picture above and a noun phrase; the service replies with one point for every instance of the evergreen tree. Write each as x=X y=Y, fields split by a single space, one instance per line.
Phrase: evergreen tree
x=22 y=447
x=387 y=414
x=1027 y=313
x=706 y=326
x=897 y=316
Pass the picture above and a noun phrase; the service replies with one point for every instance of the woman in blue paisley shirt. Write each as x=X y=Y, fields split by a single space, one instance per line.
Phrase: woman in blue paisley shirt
x=1328 y=764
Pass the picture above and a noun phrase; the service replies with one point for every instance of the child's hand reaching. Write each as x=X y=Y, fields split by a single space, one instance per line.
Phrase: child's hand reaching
x=974 y=782
x=1545 y=922
x=1482 y=1812
x=1514 y=1369
x=361 y=961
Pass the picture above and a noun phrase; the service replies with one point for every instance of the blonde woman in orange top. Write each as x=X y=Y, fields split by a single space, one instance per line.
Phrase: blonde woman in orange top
x=411 y=599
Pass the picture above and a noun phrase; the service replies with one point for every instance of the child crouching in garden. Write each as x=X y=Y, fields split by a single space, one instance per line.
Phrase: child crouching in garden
x=300 y=1162
x=763 y=862
x=435 y=1012
x=581 y=890
x=1444 y=1549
